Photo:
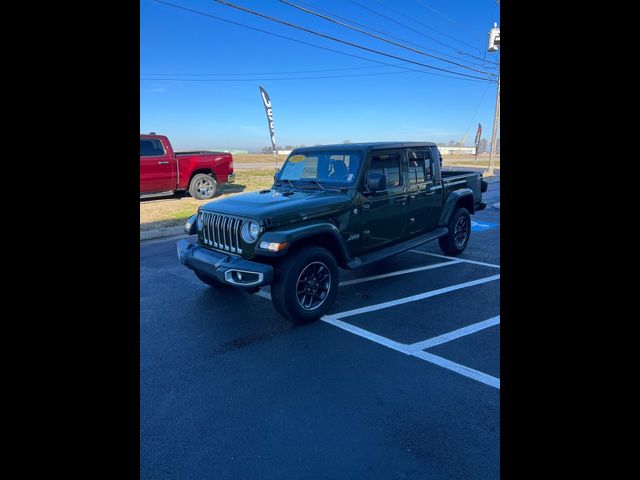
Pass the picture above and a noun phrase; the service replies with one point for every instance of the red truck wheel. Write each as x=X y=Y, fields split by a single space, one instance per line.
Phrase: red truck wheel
x=203 y=186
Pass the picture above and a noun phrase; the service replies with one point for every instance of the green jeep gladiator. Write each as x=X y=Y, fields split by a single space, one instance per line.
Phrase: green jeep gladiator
x=331 y=207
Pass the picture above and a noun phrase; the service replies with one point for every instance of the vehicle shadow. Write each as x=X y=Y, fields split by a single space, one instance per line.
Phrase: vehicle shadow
x=222 y=190
x=231 y=188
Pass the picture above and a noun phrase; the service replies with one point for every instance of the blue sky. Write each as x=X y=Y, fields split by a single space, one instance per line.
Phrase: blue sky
x=176 y=45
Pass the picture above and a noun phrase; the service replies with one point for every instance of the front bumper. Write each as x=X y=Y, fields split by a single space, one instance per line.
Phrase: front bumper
x=231 y=178
x=225 y=268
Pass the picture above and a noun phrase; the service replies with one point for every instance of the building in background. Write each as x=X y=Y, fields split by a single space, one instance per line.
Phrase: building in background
x=444 y=150
x=233 y=152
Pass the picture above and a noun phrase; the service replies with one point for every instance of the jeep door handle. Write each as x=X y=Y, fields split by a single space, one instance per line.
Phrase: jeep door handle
x=163 y=163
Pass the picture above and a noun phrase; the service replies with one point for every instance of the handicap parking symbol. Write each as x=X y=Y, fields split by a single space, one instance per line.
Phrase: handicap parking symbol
x=481 y=226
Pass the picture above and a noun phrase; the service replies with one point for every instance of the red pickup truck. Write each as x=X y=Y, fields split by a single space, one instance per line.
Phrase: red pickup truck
x=163 y=171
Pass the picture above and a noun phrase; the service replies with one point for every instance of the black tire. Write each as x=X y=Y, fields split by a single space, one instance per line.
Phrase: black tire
x=212 y=282
x=319 y=267
x=203 y=186
x=457 y=239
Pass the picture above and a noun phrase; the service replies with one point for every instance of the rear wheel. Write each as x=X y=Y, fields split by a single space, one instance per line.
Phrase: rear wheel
x=203 y=186
x=457 y=239
x=305 y=285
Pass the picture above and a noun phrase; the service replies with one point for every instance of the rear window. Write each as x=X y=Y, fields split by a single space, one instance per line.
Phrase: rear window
x=151 y=148
x=419 y=165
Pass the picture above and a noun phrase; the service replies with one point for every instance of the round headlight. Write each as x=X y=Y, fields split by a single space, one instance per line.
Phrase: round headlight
x=250 y=231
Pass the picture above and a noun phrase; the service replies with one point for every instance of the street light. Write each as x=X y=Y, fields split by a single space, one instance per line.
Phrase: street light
x=493 y=45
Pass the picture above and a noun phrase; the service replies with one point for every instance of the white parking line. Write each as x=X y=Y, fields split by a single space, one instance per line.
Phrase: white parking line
x=399 y=272
x=461 y=369
x=413 y=298
x=263 y=294
x=408 y=350
x=416 y=349
x=461 y=332
x=454 y=258
x=374 y=337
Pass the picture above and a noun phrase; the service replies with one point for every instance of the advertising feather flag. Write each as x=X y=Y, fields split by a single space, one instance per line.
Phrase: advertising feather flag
x=266 y=100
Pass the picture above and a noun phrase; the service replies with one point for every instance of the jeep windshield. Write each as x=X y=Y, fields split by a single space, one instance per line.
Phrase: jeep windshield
x=330 y=168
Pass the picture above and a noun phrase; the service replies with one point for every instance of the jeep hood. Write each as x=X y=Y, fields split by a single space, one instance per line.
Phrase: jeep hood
x=281 y=207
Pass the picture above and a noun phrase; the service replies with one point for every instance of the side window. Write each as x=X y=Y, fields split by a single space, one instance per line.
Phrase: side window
x=151 y=148
x=389 y=164
x=419 y=164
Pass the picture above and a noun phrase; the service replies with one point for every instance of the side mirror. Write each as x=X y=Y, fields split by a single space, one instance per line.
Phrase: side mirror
x=376 y=182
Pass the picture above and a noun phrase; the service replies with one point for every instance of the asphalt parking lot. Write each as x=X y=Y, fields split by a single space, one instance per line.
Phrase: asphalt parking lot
x=400 y=380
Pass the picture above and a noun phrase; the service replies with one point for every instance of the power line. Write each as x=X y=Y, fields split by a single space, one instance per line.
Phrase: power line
x=476 y=112
x=267 y=73
x=353 y=22
x=273 y=79
x=404 y=25
x=484 y=60
x=377 y=37
x=444 y=16
x=313 y=44
x=237 y=7
x=431 y=28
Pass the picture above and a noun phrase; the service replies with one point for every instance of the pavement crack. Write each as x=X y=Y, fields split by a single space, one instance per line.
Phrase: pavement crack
x=247 y=340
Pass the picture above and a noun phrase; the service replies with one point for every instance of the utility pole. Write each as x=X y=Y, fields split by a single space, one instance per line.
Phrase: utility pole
x=493 y=45
x=494 y=136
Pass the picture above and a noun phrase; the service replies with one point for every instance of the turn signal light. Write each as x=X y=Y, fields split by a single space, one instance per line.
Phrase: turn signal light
x=273 y=246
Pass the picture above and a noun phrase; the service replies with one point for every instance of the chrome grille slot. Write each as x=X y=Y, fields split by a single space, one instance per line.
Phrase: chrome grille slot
x=222 y=232
x=205 y=236
x=207 y=233
x=213 y=232
x=218 y=230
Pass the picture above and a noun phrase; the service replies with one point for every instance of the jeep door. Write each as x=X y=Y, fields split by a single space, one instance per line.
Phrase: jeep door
x=384 y=213
x=424 y=191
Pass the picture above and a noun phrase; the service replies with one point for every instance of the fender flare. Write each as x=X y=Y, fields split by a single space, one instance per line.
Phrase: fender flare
x=452 y=200
x=303 y=232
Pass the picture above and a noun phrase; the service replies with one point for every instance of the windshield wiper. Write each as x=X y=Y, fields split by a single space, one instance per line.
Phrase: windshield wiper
x=308 y=180
x=288 y=181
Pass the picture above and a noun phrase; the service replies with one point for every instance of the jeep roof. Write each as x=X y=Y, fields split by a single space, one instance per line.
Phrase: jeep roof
x=365 y=146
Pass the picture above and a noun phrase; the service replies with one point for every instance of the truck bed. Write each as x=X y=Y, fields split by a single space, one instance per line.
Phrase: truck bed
x=450 y=174
x=456 y=179
x=199 y=152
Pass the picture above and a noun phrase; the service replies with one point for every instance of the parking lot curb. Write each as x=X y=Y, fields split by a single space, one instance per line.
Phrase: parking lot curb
x=161 y=232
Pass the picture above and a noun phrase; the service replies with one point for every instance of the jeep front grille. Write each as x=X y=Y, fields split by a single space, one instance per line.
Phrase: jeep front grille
x=221 y=231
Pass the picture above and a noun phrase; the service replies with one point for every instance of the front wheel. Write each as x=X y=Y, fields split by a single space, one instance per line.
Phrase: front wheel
x=457 y=239
x=203 y=186
x=305 y=285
